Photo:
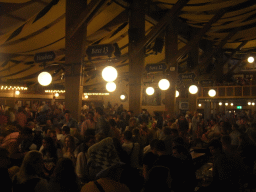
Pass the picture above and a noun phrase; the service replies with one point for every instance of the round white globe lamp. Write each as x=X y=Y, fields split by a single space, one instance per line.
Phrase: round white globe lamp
x=199 y=105
x=44 y=78
x=57 y=95
x=111 y=86
x=212 y=93
x=150 y=91
x=250 y=59
x=226 y=104
x=163 y=84
x=86 y=96
x=17 y=92
x=193 y=89
x=122 y=97
x=109 y=74
x=249 y=103
x=177 y=94
x=220 y=103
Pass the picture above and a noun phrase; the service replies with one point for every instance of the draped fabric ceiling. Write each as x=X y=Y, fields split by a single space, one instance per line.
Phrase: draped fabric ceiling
x=28 y=27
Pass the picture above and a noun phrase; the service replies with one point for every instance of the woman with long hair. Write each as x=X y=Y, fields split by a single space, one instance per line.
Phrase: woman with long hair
x=64 y=178
x=50 y=158
x=69 y=148
x=29 y=176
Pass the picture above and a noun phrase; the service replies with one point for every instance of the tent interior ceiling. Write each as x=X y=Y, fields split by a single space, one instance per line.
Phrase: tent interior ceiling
x=28 y=27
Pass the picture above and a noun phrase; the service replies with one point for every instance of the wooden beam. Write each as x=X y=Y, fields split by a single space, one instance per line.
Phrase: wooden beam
x=236 y=65
x=230 y=57
x=85 y=15
x=160 y=26
x=183 y=51
x=208 y=56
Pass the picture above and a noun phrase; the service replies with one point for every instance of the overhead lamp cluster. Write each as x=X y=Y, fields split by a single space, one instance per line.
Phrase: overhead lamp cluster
x=55 y=91
x=109 y=74
x=13 y=88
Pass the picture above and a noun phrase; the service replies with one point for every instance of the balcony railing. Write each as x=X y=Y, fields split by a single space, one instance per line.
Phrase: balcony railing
x=246 y=91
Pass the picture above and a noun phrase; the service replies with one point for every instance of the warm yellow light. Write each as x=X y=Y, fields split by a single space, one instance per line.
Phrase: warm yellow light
x=111 y=86
x=199 y=105
x=212 y=93
x=86 y=96
x=17 y=92
x=226 y=104
x=253 y=103
x=57 y=94
x=249 y=103
x=109 y=74
x=150 y=91
x=122 y=97
x=177 y=94
x=193 y=89
x=250 y=59
x=44 y=78
x=163 y=84
x=231 y=104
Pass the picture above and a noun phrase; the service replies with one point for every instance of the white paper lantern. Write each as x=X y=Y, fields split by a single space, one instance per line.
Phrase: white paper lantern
x=250 y=59
x=44 y=78
x=109 y=74
x=177 y=94
x=150 y=90
x=111 y=86
x=193 y=89
x=212 y=93
x=163 y=84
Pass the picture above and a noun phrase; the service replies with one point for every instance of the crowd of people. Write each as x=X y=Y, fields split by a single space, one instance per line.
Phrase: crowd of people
x=45 y=149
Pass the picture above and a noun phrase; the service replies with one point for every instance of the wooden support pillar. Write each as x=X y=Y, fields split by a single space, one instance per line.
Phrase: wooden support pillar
x=219 y=68
x=136 y=66
x=75 y=52
x=192 y=102
x=171 y=49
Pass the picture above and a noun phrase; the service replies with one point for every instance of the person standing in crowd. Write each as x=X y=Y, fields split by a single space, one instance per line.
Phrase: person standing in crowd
x=102 y=125
x=88 y=123
x=21 y=118
x=64 y=178
x=29 y=177
x=68 y=120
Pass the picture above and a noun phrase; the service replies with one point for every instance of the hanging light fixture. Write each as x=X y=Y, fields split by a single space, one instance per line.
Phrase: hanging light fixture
x=109 y=74
x=177 y=93
x=250 y=59
x=226 y=104
x=56 y=94
x=212 y=93
x=253 y=103
x=249 y=103
x=163 y=84
x=193 y=89
x=150 y=91
x=86 y=97
x=17 y=92
x=220 y=103
x=44 y=78
x=199 y=105
x=111 y=86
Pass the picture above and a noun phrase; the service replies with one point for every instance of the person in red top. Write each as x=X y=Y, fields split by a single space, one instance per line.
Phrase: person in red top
x=21 y=118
